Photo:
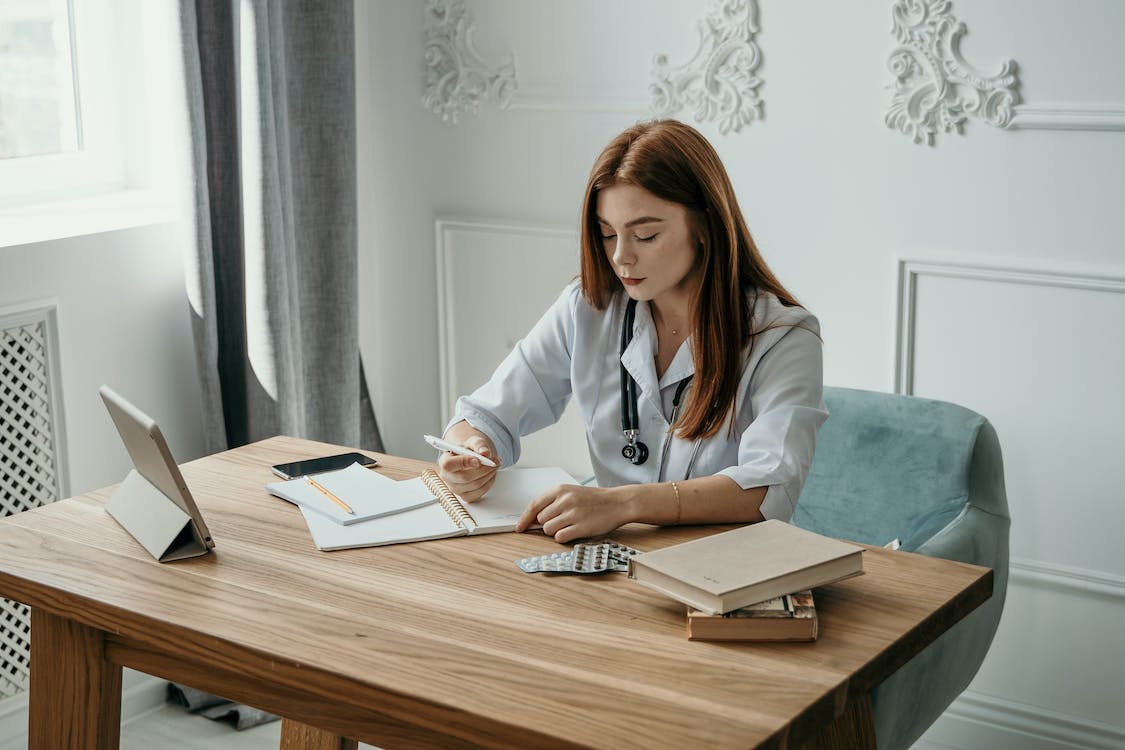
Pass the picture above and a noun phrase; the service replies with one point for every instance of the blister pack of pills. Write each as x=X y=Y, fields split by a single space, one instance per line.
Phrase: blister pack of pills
x=586 y=557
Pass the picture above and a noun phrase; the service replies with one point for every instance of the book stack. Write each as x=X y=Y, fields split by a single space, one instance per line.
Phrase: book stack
x=752 y=583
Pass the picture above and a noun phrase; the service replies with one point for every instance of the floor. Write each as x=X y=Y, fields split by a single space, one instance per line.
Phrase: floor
x=173 y=727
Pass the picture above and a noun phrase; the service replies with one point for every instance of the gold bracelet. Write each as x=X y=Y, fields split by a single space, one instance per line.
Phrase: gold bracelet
x=678 y=506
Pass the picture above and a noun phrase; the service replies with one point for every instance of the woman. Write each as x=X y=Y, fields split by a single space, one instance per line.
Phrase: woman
x=698 y=375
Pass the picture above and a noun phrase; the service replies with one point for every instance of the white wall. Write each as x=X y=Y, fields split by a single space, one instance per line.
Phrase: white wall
x=122 y=321
x=1013 y=237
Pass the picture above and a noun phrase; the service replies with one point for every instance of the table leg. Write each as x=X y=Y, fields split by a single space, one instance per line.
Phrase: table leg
x=298 y=736
x=852 y=729
x=75 y=695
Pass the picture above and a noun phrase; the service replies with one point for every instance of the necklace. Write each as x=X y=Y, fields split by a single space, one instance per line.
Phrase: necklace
x=661 y=321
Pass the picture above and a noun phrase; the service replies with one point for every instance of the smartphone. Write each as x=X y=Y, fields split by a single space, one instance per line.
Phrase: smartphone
x=320 y=465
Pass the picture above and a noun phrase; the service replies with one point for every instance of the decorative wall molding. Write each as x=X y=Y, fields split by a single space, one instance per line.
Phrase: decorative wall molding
x=457 y=77
x=553 y=99
x=1008 y=725
x=544 y=260
x=1069 y=117
x=910 y=270
x=720 y=82
x=935 y=88
x=1078 y=581
x=448 y=231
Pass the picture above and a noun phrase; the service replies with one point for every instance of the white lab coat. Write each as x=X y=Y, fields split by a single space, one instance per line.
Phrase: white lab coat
x=573 y=351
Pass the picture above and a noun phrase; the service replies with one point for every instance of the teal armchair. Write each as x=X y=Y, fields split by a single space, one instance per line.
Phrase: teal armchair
x=930 y=474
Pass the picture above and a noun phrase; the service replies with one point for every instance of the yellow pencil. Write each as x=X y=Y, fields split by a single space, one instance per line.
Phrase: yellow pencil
x=328 y=494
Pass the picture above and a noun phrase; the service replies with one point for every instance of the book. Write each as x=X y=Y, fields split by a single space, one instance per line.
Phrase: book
x=369 y=494
x=733 y=569
x=791 y=617
x=444 y=514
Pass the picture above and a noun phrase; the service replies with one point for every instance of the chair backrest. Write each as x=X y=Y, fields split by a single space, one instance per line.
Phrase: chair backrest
x=931 y=474
x=889 y=466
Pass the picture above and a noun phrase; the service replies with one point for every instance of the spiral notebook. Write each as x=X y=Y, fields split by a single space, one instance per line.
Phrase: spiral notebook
x=445 y=516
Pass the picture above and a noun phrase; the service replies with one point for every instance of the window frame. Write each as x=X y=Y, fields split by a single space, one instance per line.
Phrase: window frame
x=128 y=76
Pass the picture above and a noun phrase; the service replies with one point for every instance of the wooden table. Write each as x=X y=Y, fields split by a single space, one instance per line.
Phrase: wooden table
x=436 y=644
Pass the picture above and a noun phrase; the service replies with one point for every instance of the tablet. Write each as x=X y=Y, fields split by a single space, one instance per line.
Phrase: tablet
x=153 y=461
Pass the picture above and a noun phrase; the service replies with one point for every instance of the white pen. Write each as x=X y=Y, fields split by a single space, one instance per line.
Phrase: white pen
x=445 y=445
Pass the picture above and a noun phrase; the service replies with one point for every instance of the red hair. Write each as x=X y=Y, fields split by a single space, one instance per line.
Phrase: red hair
x=674 y=162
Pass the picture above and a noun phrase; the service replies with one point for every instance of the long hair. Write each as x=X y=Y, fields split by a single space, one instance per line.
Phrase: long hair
x=674 y=162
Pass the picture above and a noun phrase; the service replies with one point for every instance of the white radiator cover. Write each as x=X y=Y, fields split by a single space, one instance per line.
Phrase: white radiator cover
x=31 y=468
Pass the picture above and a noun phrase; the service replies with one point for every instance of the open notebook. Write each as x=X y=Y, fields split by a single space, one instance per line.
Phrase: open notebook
x=445 y=516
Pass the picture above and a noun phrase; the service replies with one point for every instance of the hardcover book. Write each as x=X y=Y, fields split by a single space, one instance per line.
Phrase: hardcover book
x=733 y=569
x=785 y=618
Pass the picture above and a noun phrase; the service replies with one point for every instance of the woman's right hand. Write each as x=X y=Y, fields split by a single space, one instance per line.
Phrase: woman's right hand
x=466 y=475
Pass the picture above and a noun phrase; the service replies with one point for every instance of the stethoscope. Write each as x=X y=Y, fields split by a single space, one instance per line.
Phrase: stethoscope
x=635 y=451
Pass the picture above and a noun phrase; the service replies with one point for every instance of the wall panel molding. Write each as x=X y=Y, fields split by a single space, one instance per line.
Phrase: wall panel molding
x=1077 y=581
x=477 y=327
x=1069 y=117
x=988 y=721
x=449 y=231
x=910 y=270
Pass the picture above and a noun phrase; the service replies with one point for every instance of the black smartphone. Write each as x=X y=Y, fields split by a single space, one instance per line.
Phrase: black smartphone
x=320 y=465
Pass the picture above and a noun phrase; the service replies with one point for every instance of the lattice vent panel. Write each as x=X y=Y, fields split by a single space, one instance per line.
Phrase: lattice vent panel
x=28 y=468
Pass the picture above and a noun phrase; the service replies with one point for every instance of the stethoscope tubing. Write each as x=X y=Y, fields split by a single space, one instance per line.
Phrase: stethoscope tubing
x=635 y=451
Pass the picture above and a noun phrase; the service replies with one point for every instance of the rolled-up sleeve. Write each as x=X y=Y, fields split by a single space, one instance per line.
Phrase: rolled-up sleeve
x=785 y=393
x=530 y=388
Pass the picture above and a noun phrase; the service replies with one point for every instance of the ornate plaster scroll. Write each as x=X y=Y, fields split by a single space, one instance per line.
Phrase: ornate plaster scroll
x=457 y=77
x=935 y=88
x=719 y=83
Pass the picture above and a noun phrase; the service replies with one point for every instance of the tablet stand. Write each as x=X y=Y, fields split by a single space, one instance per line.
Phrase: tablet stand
x=162 y=527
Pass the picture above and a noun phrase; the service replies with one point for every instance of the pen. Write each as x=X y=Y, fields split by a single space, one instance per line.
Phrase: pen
x=445 y=445
x=328 y=494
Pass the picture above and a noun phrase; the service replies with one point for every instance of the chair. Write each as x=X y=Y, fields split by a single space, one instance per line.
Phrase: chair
x=929 y=473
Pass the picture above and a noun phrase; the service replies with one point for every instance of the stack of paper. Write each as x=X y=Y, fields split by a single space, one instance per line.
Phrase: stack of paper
x=370 y=495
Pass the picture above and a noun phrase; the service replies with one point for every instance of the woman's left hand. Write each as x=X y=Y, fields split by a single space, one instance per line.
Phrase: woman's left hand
x=572 y=511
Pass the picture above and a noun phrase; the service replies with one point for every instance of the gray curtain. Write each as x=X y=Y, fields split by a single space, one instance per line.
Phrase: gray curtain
x=271 y=102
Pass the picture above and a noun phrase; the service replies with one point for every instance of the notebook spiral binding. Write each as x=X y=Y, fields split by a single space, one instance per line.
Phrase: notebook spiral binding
x=446 y=498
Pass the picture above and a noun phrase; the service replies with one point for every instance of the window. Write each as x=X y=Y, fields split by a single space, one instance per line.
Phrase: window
x=37 y=86
x=85 y=92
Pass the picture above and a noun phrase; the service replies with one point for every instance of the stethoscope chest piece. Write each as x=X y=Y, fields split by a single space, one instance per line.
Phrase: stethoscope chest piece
x=634 y=450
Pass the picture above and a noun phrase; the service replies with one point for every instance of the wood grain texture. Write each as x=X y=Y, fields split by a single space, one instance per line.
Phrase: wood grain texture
x=76 y=691
x=447 y=642
x=853 y=729
x=298 y=736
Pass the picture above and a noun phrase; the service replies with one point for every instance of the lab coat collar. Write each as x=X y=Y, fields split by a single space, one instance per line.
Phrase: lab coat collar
x=639 y=360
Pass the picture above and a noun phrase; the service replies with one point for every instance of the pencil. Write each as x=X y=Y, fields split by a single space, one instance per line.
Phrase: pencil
x=328 y=494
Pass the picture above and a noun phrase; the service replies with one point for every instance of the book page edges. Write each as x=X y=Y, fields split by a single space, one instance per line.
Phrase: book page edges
x=703 y=627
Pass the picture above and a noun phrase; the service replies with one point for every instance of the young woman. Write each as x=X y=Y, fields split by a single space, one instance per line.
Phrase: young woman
x=698 y=375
